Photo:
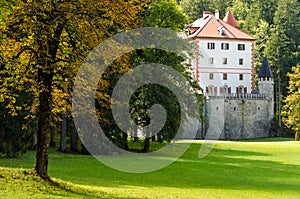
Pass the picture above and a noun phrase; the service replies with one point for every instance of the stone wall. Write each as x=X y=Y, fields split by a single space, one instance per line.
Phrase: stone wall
x=237 y=118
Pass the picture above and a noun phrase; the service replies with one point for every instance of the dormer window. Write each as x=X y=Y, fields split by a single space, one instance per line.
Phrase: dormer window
x=222 y=30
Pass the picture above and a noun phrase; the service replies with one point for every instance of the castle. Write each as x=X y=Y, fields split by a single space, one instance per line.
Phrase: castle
x=223 y=66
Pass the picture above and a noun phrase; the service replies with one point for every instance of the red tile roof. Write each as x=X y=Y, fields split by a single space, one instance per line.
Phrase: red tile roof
x=209 y=27
x=229 y=19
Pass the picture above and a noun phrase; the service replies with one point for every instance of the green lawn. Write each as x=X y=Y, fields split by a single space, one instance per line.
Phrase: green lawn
x=253 y=169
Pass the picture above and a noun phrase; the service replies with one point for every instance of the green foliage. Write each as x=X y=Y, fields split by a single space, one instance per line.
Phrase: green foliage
x=262 y=32
x=164 y=14
x=253 y=16
x=240 y=10
x=45 y=42
x=16 y=133
x=291 y=111
x=194 y=9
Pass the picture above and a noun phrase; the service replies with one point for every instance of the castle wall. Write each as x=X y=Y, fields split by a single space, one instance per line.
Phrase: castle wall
x=237 y=118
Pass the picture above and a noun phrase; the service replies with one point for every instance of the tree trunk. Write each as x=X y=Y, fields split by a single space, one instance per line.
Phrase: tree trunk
x=146 y=145
x=297 y=135
x=52 y=138
x=63 y=134
x=33 y=144
x=74 y=139
x=153 y=138
x=43 y=134
x=45 y=78
x=135 y=134
x=125 y=142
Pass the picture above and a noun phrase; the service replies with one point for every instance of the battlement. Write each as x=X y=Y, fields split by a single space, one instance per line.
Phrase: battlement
x=240 y=96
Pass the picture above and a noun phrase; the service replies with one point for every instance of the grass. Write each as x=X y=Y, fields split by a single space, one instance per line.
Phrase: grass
x=253 y=169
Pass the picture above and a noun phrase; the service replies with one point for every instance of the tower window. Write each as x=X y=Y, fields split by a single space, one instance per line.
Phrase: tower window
x=241 y=61
x=241 y=77
x=210 y=45
x=211 y=60
x=225 y=46
x=211 y=76
x=241 y=46
x=224 y=61
x=225 y=76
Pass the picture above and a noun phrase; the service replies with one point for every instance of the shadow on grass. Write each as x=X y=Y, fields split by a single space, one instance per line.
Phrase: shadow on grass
x=229 y=169
x=221 y=169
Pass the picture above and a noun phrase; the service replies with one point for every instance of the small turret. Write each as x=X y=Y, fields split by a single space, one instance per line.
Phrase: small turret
x=265 y=80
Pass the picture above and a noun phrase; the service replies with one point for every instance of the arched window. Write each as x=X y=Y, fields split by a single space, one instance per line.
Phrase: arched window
x=240 y=90
x=224 y=90
x=211 y=90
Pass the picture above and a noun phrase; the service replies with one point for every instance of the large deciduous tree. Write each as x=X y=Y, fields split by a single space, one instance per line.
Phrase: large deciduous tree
x=163 y=14
x=45 y=41
x=291 y=111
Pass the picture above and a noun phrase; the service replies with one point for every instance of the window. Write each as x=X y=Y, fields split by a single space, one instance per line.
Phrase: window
x=225 y=76
x=211 y=76
x=239 y=90
x=224 y=90
x=210 y=45
x=241 y=77
x=241 y=61
x=241 y=46
x=211 y=60
x=225 y=46
x=224 y=61
x=211 y=90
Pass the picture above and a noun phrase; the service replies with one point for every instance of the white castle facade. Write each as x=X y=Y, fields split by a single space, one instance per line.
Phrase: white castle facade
x=223 y=66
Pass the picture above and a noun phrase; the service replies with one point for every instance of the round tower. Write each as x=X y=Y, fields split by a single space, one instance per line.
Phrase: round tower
x=266 y=80
x=266 y=85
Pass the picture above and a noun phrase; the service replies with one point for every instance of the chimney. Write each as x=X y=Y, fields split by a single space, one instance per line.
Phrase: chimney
x=217 y=14
x=206 y=13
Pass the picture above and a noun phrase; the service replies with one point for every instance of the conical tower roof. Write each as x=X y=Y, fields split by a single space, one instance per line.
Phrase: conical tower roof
x=229 y=19
x=265 y=70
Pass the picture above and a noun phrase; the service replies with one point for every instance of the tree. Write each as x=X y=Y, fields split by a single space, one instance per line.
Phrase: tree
x=221 y=5
x=164 y=14
x=284 y=39
x=291 y=111
x=262 y=32
x=194 y=9
x=282 y=46
x=16 y=131
x=51 y=39
x=253 y=16
x=240 y=9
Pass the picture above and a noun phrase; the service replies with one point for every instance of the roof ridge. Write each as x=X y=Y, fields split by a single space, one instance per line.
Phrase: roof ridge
x=201 y=28
x=228 y=29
